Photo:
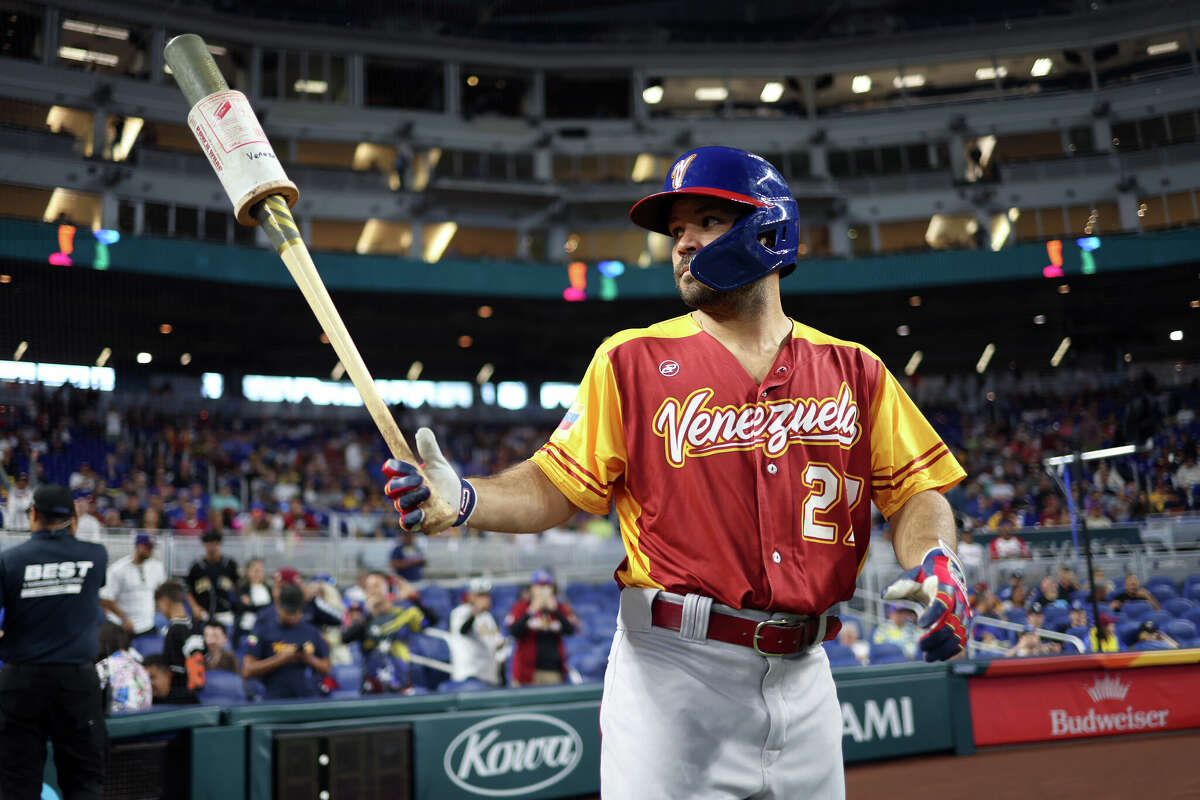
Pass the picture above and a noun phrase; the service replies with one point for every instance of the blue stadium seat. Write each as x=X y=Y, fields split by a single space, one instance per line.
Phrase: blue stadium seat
x=887 y=654
x=468 y=685
x=1193 y=592
x=1176 y=606
x=1163 y=592
x=1193 y=615
x=149 y=644
x=1151 y=645
x=349 y=679
x=591 y=668
x=222 y=687
x=1136 y=610
x=839 y=655
x=1190 y=581
x=1127 y=631
x=1181 y=630
x=1161 y=580
x=1159 y=618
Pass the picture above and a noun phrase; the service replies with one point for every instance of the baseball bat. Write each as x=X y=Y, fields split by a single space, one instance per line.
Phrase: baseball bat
x=229 y=133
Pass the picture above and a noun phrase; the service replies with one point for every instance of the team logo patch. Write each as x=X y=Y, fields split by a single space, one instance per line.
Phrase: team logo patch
x=692 y=428
x=680 y=169
x=669 y=368
x=570 y=418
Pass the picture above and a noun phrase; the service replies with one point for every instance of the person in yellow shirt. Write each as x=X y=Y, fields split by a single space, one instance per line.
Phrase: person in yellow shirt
x=1110 y=644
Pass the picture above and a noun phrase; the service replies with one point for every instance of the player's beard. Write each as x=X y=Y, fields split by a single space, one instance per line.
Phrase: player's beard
x=729 y=303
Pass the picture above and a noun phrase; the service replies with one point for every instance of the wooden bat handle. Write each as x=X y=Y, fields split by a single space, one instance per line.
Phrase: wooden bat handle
x=276 y=220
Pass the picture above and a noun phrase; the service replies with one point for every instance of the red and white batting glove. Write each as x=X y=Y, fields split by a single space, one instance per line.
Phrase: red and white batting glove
x=407 y=490
x=939 y=585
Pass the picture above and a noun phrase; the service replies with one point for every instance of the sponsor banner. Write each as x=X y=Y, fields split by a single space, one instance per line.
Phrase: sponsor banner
x=885 y=717
x=1074 y=705
x=550 y=751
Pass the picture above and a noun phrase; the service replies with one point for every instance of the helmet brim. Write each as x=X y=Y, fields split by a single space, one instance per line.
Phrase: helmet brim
x=651 y=212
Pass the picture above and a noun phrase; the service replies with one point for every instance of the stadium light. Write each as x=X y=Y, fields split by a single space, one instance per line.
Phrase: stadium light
x=711 y=94
x=1091 y=455
x=1041 y=67
x=20 y=351
x=991 y=73
x=860 y=84
x=982 y=365
x=771 y=92
x=102 y=359
x=910 y=368
x=144 y=358
x=485 y=374
x=414 y=372
x=913 y=81
x=1063 y=346
x=88 y=56
x=653 y=94
x=1162 y=48
x=1176 y=336
x=93 y=29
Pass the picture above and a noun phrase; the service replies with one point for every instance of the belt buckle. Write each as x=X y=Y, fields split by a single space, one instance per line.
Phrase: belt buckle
x=776 y=622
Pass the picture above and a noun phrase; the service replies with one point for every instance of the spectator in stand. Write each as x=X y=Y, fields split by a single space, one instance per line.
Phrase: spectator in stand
x=1067 y=582
x=1015 y=579
x=1187 y=477
x=1094 y=513
x=131 y=512
x=1108 y=480
x=20 y=499
x=88 y=528
x=408 y=560
x=849 y=637
x=225 y=500
x=297 y=518
x=128 y=594
x=1018 y=598
x=384 y=629
x=1148 y=631
x=1030 y=644
x=287 y=653
x=1133 y=591
x=1047 y=594
x=971 y=554
x=190 y=522
x=253 y=596
x=1078 y=617
x=987 y=605
x=217 y=652
x=152 y=520
x=123 y=679
x=111 y=520
x=538 y=624
x=211 y=582
x=477 y=647
x=183 y=646
x=83 y=479
x=1053 y=514
x=157 y=668
x=1110 y=643
x=1035 y=615
x=1007 y=544
x=900 y=629
x=257 y=521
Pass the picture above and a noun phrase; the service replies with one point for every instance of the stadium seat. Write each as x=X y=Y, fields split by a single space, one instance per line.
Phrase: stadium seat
x=1159 y=618
x=349 y=680
x=149 y=644
x=1136 y=610
x=1192 y=615
x=1127 y=631
x=1193 y=592
x=1176 y=606
x=887 y=654
x=839 y=655
x=1161 y=580
x=1181 y=630
x=222 y=687
x=591 y=668
x=468 y=685
x=1163 y=592
x=1151 y=645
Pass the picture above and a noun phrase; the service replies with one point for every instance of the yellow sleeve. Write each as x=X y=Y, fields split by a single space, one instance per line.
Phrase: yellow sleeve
x=586 y=454
x=907 y=455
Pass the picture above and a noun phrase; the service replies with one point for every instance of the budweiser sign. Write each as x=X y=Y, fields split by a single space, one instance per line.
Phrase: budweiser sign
x=1038 y=708
x=691 y=427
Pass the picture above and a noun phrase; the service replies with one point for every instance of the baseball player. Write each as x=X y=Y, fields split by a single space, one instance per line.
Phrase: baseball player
x=741 y=451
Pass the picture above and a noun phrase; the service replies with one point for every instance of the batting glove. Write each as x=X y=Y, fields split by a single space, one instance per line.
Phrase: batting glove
x=938 y=584
x=407 y=490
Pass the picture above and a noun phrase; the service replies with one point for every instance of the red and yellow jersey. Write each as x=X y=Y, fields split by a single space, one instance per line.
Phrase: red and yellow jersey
x=757 y=495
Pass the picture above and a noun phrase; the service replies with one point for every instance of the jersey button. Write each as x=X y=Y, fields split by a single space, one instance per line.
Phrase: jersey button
x=781 y=370
x=776 y=557
x=764 y=393
x=771 y=468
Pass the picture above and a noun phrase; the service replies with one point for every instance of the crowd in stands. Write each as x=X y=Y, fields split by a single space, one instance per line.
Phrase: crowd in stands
x=208 y=639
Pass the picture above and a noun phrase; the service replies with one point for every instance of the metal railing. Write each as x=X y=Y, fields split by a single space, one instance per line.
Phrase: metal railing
x=974 y=646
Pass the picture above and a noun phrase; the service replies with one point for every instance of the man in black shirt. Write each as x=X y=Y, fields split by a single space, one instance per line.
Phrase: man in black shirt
x=49 y=588
x=211 y=583
x=183 y=646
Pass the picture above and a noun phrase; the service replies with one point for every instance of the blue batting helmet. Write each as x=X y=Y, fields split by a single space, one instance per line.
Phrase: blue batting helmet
x=738 y=256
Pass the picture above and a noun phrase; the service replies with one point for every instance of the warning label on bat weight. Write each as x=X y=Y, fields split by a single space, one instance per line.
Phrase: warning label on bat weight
x=230 y=119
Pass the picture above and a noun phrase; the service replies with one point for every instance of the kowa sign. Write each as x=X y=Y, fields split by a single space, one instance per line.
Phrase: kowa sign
x=512 y=755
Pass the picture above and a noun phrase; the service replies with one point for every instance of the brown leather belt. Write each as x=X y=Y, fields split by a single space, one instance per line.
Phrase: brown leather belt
x=770 y=637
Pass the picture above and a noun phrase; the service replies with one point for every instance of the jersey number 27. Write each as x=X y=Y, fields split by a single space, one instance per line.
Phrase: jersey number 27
x=826 y=489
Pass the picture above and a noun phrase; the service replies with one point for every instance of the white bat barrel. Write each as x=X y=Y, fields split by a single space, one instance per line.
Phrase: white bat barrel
x=227 y=130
